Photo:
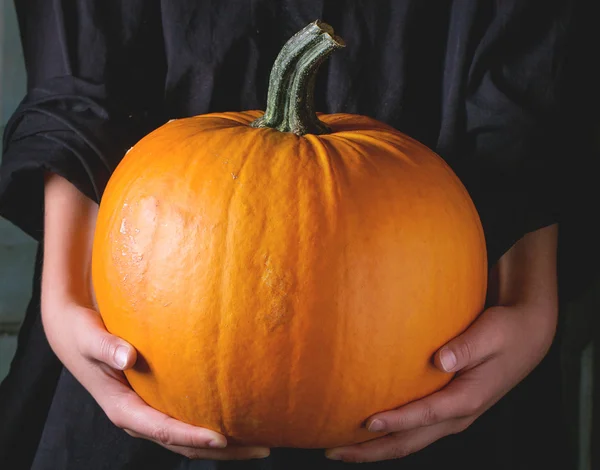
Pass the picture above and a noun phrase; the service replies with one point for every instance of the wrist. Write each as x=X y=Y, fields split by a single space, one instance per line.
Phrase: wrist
x=526 y=275
x=69 y=223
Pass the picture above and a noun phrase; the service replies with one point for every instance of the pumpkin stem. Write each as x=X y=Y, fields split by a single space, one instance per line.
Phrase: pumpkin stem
x=290 y=101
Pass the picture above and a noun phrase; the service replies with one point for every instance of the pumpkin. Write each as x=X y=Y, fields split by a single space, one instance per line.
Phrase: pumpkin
x=285 y=275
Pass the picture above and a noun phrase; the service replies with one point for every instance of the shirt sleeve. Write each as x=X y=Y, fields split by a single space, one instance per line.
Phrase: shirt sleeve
x=513 y=101
x=95 y=74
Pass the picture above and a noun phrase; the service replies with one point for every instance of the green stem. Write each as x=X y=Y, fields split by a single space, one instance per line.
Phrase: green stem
x=290 y=101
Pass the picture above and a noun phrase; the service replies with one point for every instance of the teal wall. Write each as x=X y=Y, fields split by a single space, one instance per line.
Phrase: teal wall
x=12 y=70
x=16 y=249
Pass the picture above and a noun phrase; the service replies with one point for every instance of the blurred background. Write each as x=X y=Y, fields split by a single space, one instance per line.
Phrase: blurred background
x=580 y=283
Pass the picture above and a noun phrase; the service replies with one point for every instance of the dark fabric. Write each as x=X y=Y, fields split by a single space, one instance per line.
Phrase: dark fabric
x=481 y=82
x=26 y=395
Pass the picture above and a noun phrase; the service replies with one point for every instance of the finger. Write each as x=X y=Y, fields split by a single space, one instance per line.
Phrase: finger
x=97 y=344
x=467 y=396
x=128 y=411
x=394 y=446
x=233 y=453
x=230 y=453
x=483 y=339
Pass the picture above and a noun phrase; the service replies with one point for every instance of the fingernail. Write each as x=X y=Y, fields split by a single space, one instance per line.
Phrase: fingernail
x=376 y=425
x=448 y=359
x=333 y=456
x=121 y=356
x=217 y=444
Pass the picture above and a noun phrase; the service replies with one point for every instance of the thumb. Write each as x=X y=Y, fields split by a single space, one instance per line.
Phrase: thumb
x=478 y=343
x=98 y=344
x=116 y=352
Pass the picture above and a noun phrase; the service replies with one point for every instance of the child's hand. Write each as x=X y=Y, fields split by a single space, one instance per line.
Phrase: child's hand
x=96 y=358
x=501 y=347
x=496 y=353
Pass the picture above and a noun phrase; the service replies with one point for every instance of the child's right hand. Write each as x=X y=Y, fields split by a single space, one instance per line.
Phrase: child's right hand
x=78 y=337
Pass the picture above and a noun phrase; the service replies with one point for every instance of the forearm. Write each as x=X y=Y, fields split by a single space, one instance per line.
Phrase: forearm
x=69 y=220
x=526 y=276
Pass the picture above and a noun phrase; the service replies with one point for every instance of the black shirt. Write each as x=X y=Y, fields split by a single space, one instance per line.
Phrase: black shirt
x=480 y=82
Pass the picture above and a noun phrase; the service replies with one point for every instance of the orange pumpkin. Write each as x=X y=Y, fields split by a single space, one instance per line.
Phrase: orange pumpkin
x=284 y=276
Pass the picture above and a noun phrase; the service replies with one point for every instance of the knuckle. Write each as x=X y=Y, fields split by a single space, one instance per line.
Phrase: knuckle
x=429 y=415
x=399 y=422
x=466 y=351
x=106 y=349
x=161 y=435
